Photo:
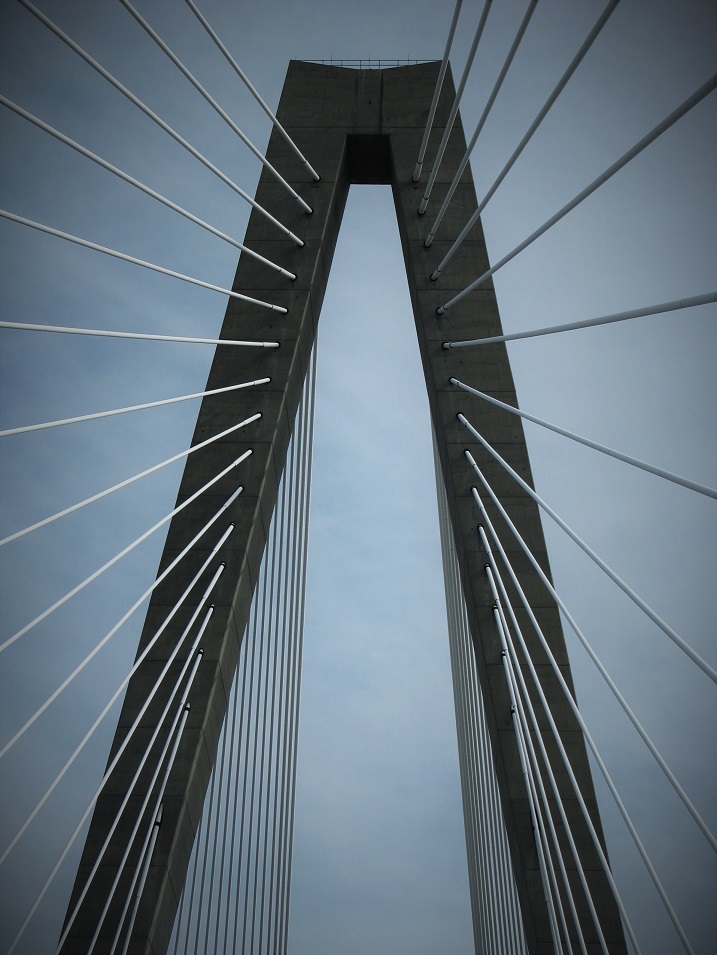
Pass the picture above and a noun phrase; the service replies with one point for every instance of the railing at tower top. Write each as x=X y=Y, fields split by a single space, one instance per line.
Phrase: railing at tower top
x=147 y=373
x=368 y=63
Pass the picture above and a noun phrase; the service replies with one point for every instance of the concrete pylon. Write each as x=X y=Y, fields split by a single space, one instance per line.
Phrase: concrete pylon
x=355 y=126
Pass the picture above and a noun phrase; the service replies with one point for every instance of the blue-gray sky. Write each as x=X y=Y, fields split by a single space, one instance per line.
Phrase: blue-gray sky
x=379 y=864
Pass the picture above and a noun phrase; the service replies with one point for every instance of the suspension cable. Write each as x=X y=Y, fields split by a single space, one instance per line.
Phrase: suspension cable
x=270 y=639
x=273 y=723
x=492 y=883
x=110 y=333
x=592 y=36
x=551 y=890
x=243 y=77
x=238 y=709
x=261 y=777
x=466 y=730
x=116 y=487
x=94 y=799
x=628 y=459
x=588 y=649
x=503 y=603
x=535 y=777
x=193 y=659
x=676 y=114
x=67 y=766
x=481 y=122
x=141 y=407
x=665 y=627
x=454 y=107
x=285 y=516
x=140 y=185
x=436 y=93
x=303 y=531
x=228 y=743
x=148 y=796
x=292 y=482
x=90 y=656
x=133 y=260
x=93 y=576
x=213 y=103
x=679 y=303
x=142 y=870
x=153 y=116
x=589 y=739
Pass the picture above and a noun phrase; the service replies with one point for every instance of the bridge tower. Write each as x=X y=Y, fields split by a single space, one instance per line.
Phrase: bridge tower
x=357 y=126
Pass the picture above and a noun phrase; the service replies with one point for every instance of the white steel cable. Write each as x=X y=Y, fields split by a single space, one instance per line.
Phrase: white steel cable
x=563 y=753
x=436 y=93
x=86 y=737
x=122 y=553
x=579 y=56
x=270 y=670
x=473 y=747
x=293 y=482
x=586 y=733
x=670 y=120
x=140 y=814
x=155 y=118
x=238 y=708
x=198 y=836
x=250 y=636
x=528 y=764
x=545 y=862
x=483 y=820
x=180 y=910
x=140 y=185
x=489 y=841
x=466 y=739
x=284 y=511
x=293 y=511
x=245 y=897
x=76 y=832
x=109 y=333
x=142 y=407
x=279 y=726
x=535 y=782
x=213 y=103
x=272 y=782
x=228 y=744
x=591 y=653
x=481 y=122
x=203 y=879
x=193 y=659
x=146 y=857
x=252 y=830
x=626 y=589
x=133 y=260
x=493 y=574
x=596 y=446
x=454 y=107
x=218 y=770
x=303 y=529
x=267 y=641
x=243 y=77
x=591 y=322
x=116 y=487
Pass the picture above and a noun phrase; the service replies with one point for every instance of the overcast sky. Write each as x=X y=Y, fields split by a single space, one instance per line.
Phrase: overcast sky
x=379 y=857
